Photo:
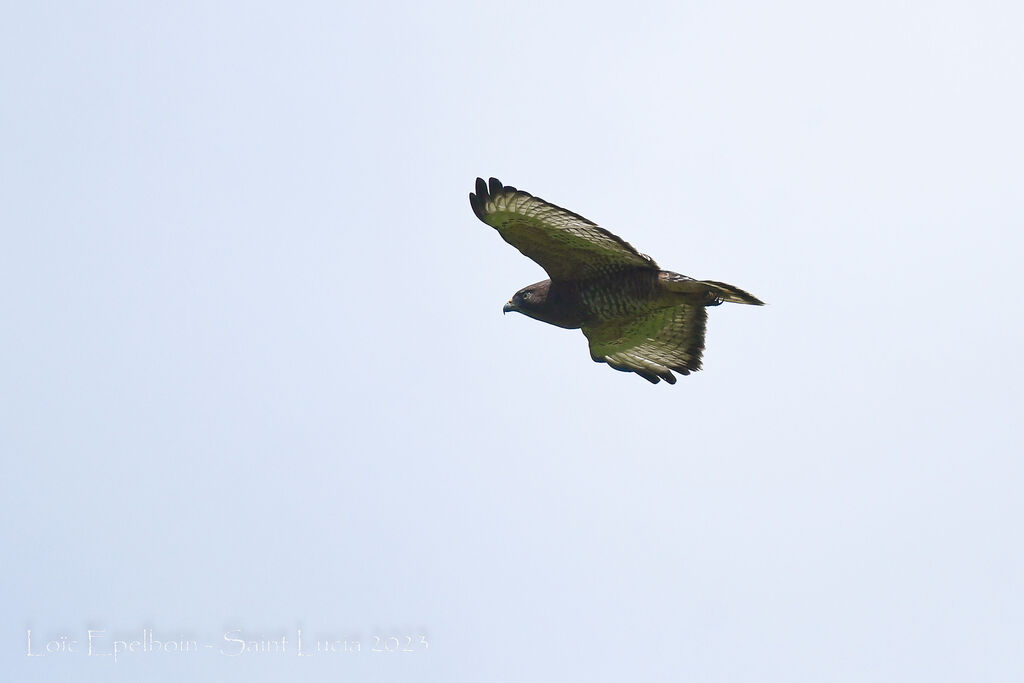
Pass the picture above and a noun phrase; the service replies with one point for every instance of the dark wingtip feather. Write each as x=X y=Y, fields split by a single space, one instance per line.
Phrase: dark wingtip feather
x=477 y=204
x=652 y=377
x=478 y=198
x=487 y=190
x=649 y=376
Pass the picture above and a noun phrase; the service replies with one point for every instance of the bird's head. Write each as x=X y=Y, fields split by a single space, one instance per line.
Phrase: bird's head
x=530 y=300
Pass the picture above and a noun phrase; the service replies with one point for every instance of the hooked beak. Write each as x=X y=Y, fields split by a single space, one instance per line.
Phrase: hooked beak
x=509 y=307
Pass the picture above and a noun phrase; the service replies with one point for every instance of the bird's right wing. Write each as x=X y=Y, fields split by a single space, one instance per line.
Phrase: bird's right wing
x=652 y=345
x=565 y=244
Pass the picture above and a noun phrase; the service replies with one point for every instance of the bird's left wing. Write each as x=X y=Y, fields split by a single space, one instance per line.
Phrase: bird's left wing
x=565 y=244
x=652 y=345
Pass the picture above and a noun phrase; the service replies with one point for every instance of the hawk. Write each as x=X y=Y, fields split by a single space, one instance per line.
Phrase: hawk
x=636 y=317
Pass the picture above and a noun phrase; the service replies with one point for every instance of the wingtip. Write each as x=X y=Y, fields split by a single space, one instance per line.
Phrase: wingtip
x=478 y=199
x=490 y=189
x=477 y=205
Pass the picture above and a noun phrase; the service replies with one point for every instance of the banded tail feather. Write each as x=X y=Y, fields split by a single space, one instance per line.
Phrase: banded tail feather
x=732 y=294
x=717 y=292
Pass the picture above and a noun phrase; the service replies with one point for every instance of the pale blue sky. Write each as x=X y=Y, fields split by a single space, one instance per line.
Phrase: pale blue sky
x=256 y=376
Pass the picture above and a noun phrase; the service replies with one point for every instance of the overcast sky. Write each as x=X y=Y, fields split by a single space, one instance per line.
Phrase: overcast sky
x=256 y=378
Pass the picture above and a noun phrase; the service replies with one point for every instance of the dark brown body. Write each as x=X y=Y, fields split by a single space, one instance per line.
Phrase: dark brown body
x=627 y=294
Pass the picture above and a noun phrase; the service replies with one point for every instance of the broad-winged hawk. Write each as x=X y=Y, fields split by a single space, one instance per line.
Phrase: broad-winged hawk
x=637 y=317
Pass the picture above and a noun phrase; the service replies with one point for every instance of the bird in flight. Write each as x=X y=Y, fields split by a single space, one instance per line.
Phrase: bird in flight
x=636 y=317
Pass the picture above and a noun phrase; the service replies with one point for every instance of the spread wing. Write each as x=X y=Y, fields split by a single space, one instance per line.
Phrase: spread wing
x=652 y=345
x=565 y=244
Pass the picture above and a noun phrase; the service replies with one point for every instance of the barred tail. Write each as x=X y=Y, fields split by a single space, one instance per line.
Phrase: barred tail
x=732 y=294
x=712 y=292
